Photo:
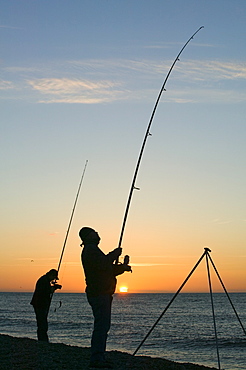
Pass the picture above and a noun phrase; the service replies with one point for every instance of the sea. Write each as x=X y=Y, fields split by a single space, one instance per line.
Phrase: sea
x=184 y=333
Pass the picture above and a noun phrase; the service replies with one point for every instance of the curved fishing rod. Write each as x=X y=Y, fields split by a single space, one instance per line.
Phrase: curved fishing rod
x=71 y=218
x=146 y=136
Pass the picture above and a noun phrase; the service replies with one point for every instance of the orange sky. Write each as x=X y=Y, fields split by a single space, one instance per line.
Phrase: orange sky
x=160 y=273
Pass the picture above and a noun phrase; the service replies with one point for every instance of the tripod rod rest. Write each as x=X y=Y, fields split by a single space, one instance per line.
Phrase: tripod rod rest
x=207 y=250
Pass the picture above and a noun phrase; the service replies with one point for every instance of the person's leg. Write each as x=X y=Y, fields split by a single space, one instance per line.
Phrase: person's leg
x=42 y=324
x=101 y=308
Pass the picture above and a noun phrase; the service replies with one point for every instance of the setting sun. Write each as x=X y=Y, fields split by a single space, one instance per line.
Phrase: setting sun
x=123 y=289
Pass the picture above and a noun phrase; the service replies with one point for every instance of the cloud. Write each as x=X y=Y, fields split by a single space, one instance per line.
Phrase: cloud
x=213 y=70
x=204 y=95
x=99 y=81
x=6 y=85
x=64 y=90
x=150 y=264
x=167 y=45
x=54 y=233
x=221 y=222
x=10 y=27
x=21 y=69
x=200 y=69
x=35 y=259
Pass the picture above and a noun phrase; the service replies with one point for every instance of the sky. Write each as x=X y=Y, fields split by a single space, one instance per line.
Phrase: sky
x=79 y=80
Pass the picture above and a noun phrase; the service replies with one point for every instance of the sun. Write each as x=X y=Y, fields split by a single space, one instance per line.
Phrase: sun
x=123 y=289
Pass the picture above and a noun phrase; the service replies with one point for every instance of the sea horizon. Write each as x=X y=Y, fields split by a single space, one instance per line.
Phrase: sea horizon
x=132 y=292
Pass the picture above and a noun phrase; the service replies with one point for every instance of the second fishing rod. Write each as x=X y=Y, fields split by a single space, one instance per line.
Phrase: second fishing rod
x=69 y=224
x=147 y=134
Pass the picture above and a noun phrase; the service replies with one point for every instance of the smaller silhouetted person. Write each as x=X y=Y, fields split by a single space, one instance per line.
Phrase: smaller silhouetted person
x=100 y=275
x=44 y=289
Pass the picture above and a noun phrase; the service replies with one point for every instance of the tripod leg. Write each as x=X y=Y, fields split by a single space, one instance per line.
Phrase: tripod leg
x=240 y=322
x=211 y=296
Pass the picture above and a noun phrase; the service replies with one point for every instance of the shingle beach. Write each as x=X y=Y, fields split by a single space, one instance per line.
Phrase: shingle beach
x=25 y=353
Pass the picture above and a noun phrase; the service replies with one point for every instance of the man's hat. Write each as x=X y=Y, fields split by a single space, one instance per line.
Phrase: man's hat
x=53 y=272
x=84 y=232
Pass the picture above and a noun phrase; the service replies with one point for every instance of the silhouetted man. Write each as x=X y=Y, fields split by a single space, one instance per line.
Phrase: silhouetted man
x=100 y=275
x=44 y=289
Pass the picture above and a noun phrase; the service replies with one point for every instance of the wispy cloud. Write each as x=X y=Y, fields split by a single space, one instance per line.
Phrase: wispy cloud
x=213 y=70
x=66 y=90
x=10 y=27
x=6 y=85
x=21 y=70
x=206 y=95
x=100 y=81
x=221 y=222
x=167 y=45
x=54 y=233
x=150 y=264
x=31 y=259
x=199 y=69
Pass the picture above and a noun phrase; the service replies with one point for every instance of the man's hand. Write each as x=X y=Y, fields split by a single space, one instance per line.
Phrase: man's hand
x=57 y=286
x=117 y=252
x=127 y=268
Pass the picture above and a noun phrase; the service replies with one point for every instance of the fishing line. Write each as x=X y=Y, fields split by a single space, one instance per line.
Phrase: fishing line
x=147 y=134
x=58 y=304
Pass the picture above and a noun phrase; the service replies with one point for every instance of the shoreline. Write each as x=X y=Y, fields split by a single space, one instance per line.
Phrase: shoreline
x=27 y=354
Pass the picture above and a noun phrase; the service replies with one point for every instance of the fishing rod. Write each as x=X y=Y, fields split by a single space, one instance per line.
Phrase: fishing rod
x=133 y=187
x=71 y=218
x=68 y=229
x=66 y=236
x=65 y=240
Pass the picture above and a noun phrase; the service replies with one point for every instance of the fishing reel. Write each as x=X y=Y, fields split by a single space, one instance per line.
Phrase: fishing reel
x=126 y=262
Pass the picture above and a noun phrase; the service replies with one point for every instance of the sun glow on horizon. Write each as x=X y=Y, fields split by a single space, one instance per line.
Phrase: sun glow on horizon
x=123 y=289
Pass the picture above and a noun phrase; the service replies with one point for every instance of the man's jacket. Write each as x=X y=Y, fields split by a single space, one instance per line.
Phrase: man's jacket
x=42 y=293
x=100 y=270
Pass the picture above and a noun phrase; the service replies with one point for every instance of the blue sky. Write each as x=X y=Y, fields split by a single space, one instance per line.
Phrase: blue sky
x=79 y=80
